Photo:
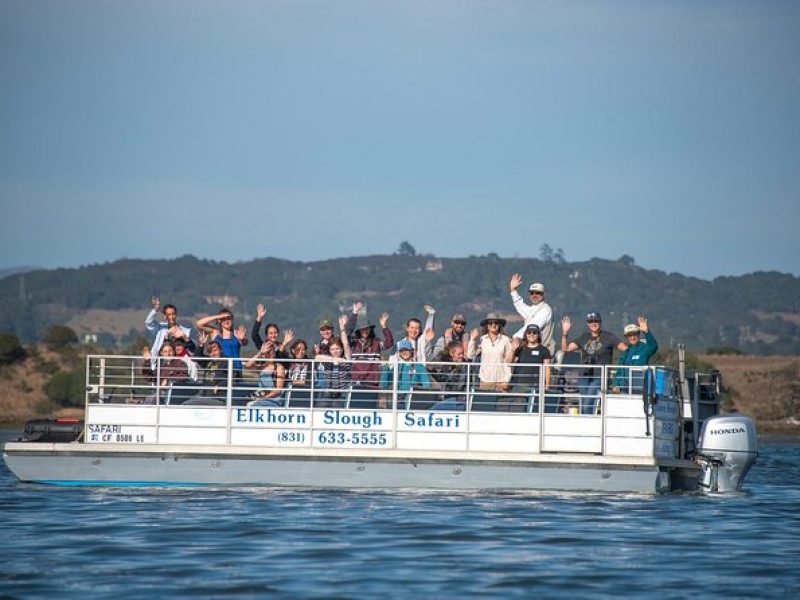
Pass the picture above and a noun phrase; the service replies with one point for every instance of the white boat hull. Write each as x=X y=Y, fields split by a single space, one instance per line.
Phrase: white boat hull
x=83 y=464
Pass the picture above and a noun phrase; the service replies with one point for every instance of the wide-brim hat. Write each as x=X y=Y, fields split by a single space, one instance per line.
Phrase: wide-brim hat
x=493 y=316
x=363 y=324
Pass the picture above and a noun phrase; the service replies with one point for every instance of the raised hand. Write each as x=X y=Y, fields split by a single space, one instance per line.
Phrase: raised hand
x=429 y=309
x=342 y=322
x=643 y=327
x=261 y=312
x=265 y=348
x=156 y=302
x=288 y=336
x=357 y=306
x=516 y=343
x=241 y=334
x=384 y=320
x=516 y=281
x=566 y=324
x=175 y=332
x=203 y=337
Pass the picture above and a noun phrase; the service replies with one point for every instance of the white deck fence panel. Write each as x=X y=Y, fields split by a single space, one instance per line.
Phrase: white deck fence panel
x=127 y=402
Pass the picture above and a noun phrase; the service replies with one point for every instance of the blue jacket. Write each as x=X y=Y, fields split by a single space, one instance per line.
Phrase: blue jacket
x=410 y=374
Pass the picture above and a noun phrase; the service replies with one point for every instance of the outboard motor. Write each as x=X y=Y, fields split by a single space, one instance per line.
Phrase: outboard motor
x=727 y=448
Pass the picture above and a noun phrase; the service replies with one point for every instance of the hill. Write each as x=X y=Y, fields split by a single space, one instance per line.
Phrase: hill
x=758 y=313
x=23 y=385
x=14 y=270
x=766 y=388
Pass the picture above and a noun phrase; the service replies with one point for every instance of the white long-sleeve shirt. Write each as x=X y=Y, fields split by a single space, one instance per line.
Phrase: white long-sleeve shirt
x=494 y=356
x=161 y=329
x=535 y=314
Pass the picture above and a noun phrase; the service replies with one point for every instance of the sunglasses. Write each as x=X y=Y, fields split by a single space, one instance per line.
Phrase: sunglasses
x=459 y=322
x=531 y=333
x=537 y=293
x=492 y=323
x=593 y=321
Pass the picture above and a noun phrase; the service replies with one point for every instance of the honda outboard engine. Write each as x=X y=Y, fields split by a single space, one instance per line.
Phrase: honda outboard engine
x=726 y=450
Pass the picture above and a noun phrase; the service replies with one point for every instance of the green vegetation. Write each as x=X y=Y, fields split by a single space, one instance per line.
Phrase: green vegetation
x=724 y=350
x=135 y=347
x=59 y=337
x=11 y=350
x=758 y=313
x=67 y=388
x=669 y=358
x=406 y=249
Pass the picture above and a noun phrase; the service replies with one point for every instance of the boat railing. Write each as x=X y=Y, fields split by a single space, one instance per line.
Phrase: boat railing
x=597 y=409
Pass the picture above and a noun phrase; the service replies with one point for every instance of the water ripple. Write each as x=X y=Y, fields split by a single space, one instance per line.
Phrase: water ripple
x=248 y=542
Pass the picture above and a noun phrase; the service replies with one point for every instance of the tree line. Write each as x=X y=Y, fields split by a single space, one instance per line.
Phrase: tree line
x=756 y=313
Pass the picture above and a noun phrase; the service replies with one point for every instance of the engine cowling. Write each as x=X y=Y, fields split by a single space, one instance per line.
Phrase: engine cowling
x=727 y=449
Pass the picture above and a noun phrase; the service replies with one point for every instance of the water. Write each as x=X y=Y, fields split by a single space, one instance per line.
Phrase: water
x=188 y=542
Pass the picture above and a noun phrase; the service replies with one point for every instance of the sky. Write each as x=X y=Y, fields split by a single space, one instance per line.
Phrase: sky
x=307 y=130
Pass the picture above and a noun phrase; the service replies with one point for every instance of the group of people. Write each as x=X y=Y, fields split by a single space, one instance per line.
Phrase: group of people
x=351 y=363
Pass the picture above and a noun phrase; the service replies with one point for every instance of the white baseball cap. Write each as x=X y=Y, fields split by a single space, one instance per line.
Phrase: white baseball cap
x=536 y=287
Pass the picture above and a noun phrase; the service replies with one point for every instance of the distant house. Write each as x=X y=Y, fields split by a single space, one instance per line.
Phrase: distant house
x=225 y=300
x=433 y=265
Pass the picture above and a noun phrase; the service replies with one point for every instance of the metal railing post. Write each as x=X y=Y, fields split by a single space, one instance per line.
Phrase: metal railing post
x=229 y=391
x=102 y=380
x=394 y=401
x=86 y=384
x=229 y=404
x=158 y=400
x=133 y=383
x=312 y=386
x=542 y=399
x=602 y=407
x=468 y=403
